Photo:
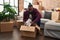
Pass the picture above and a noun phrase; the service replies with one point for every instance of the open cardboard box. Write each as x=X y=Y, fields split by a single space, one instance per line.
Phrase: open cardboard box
x=29 y=31
x=36 y=26
x=18 y=23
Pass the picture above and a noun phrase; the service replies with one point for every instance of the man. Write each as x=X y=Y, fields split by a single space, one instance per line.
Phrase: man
x=33 y=14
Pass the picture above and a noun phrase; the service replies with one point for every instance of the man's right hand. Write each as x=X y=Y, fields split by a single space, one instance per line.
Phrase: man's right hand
x=28 y=22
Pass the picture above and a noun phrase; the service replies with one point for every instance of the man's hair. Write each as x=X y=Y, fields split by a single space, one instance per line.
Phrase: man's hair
x=30 y=5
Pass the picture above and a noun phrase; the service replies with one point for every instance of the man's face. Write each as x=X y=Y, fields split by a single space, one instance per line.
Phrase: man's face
x=30 y=8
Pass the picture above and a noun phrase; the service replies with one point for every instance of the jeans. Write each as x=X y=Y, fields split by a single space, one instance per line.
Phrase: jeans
x=38 y=23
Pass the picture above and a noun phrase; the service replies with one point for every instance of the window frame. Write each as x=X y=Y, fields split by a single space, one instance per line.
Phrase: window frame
x=16 y=7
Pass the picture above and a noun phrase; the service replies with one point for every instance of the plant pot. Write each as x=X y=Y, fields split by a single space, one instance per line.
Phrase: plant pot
x=6 y=26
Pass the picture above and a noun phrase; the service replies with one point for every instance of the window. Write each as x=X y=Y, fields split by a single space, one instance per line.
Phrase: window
x=1 y=1
x=26 y=2
x=13 y=3
x=1 y=5
x=1 y=8
x=6 y=1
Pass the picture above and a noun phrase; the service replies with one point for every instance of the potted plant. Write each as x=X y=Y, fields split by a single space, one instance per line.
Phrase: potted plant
x=7 y=13
x=1 y=16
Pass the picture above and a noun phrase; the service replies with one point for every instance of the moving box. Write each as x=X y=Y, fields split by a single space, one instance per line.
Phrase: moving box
x=28 y=31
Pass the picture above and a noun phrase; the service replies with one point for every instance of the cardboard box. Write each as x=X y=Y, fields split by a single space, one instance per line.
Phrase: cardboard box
x=36 y=26
x=18 y=23
x=58 y=21
x=55 y=16
x=28 y=31
x=6 y=26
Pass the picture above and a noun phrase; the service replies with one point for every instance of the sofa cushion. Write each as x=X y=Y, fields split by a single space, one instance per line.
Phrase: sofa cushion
x=47 y=15
x=51 y=25
x=44 y=20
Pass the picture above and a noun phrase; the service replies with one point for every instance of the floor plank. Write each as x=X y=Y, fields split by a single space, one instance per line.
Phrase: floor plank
x=15 y=35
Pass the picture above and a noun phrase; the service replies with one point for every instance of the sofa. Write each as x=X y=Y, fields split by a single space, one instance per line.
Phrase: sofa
x=46 y=16
x=52 y=29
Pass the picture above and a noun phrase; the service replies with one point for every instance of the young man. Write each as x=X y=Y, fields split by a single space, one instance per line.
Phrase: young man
x=33 y=14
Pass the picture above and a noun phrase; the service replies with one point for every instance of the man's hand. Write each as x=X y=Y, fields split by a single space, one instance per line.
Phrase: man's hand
x=28 y=22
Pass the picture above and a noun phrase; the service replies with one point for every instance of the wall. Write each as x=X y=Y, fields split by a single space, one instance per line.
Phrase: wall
x=49 y=4
x=21 y=5
x=35 y=2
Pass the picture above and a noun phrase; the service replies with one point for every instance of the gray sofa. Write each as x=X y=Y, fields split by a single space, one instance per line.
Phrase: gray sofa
x=46 y=16
x=52 y=29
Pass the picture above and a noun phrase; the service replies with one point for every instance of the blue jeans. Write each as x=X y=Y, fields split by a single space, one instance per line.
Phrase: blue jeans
x=38 y=23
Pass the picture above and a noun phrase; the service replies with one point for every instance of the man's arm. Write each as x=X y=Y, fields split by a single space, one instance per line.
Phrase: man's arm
x=24 y=16
x=38 y=16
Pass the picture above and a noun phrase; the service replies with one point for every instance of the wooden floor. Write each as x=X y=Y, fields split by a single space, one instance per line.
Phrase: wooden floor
x=15 y=35
x=50 y=38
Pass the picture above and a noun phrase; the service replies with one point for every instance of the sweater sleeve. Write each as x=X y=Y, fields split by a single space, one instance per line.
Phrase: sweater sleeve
x=38 y=16
x=24 y=18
